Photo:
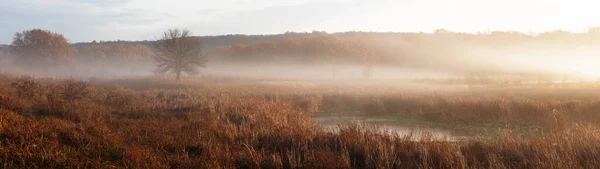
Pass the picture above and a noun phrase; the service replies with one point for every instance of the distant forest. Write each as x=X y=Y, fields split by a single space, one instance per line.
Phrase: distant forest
x=426 y=50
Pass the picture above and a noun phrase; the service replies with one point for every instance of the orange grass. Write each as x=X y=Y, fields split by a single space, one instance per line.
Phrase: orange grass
x=48 y=123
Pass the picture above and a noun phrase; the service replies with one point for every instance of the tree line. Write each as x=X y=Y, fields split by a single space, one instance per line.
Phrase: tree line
x=35 y=47
x=401 y=49
x=316 y=47
x=114 y=53
x=177 y=51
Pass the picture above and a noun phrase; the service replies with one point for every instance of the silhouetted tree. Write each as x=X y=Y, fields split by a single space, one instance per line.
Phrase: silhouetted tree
x=178 y=51
x=41 y=47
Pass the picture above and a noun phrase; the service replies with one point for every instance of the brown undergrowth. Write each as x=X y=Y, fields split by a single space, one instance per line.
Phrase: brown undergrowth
x=48 y=123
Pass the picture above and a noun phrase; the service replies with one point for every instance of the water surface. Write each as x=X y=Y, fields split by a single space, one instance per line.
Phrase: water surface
x=387 y=126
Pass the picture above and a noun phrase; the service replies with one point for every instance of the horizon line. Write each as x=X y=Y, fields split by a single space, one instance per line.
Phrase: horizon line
x=442 y=30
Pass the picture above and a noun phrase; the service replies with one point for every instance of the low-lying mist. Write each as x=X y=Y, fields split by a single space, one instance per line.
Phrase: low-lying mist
x=533 y=62
x=490 y=65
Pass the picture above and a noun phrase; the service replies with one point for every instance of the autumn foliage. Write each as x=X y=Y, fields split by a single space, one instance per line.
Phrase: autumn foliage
x=41 y=47
x=114 y=53
x=313 y=48
x=441 y=49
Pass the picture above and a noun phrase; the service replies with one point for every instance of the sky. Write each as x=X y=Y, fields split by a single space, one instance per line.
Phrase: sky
x=87 y=20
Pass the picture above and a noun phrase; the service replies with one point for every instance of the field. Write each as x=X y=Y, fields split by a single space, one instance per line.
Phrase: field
x=154 y=122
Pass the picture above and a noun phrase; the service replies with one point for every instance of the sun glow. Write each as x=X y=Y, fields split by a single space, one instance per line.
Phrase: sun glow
x=578 y=65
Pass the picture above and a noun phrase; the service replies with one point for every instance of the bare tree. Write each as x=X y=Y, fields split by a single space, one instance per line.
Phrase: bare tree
x=179 y=52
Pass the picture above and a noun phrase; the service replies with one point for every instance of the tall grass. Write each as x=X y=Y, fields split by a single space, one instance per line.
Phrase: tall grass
x=48 y=123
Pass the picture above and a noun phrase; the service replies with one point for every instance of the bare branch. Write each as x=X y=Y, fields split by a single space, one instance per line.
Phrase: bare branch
x=179 y=52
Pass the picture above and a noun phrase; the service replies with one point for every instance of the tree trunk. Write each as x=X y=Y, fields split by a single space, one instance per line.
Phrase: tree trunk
x=178 y=74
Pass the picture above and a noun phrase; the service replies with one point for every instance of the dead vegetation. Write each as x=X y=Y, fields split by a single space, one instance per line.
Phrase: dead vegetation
x=47 y=123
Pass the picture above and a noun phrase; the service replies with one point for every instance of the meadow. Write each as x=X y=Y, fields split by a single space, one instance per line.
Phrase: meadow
x=154 y=122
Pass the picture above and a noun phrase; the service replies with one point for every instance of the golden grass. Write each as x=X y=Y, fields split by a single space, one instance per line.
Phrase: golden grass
x=48 y=123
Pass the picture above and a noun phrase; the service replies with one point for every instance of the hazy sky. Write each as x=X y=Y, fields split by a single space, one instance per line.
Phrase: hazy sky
x=87 y=20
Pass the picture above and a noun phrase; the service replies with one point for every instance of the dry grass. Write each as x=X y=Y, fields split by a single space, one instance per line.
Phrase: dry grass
x=48 y=123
